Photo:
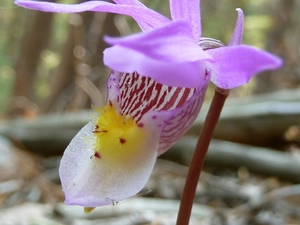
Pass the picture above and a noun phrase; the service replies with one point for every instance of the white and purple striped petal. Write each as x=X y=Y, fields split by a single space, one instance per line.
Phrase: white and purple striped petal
x=184 y=115
x=171 y=109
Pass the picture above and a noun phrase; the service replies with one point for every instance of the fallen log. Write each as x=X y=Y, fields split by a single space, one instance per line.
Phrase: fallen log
x=45 y=135
x=227 y=154
x=260 y=124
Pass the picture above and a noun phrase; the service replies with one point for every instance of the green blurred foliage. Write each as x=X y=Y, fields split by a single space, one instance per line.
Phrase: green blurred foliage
x=7 y=48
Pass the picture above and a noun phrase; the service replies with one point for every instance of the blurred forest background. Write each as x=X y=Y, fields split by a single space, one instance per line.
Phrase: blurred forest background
x=51 y=66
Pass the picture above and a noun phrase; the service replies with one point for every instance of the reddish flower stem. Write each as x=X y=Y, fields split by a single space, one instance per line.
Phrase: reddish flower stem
x=196 y=165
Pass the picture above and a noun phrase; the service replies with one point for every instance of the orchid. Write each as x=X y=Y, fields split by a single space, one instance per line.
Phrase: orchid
x=155 y=91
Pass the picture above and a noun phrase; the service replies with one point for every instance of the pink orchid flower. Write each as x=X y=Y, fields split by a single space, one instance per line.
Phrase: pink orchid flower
x=155 y=92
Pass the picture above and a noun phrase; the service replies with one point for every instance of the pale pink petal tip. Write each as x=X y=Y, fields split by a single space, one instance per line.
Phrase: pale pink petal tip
x=237 y=36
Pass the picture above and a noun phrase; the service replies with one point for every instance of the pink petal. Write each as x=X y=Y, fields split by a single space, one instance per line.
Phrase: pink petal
x=186 y=74
x=170 y=43
x=91 y=182
x=234 y=66
x=237 y=35
x=129 y=2
x=167 y=54
x=144 y=26
x=139 y=13
x=188 y=10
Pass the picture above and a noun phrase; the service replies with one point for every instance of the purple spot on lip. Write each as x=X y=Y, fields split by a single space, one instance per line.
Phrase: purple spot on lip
x=122 y=140
x=97 y=155
x=140 y=125
x=153 y=117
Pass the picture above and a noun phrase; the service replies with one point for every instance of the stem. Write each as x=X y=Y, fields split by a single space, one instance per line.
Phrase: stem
x=196 y=165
